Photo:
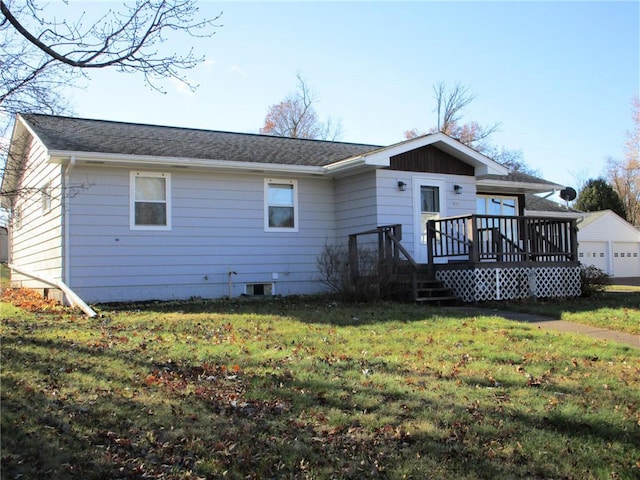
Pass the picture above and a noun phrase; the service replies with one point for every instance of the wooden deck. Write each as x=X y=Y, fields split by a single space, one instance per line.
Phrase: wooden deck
x=477 y=257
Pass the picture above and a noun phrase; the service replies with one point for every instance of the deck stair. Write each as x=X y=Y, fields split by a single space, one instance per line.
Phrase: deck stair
x=419 y=286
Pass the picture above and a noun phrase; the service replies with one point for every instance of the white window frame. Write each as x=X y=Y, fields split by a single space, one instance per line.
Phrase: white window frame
x=45 y=198
x=489 y=197
x=279 y=181
x=132 y=200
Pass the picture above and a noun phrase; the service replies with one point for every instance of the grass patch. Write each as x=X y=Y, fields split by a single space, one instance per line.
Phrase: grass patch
x=5 y=276
x=310 y=388
x=615 y=309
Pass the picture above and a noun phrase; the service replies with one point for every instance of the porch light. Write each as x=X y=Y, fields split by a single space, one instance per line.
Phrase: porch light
x=457 y=189
x=402 y=186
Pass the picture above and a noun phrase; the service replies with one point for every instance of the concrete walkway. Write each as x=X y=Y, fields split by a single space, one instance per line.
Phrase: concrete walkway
x=559 y=325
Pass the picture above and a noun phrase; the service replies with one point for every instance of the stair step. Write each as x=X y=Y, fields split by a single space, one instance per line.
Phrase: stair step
x=427 y=288
x=437 y=299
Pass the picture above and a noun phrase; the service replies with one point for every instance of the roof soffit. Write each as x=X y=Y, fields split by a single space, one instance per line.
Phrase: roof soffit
x=152 y=162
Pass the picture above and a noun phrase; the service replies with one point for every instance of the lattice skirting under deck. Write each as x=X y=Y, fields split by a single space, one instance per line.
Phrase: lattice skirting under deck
x=479 y=284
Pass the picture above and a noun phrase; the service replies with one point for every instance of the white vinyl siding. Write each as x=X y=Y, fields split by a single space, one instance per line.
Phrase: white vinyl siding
x=355 y=205
x=150 y=194
x=611 y=244
x=37 y=233
x=372 y=199
x=217 y=228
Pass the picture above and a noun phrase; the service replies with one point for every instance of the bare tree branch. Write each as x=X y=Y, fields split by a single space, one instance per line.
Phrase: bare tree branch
x=295 y=117
x=41 y=56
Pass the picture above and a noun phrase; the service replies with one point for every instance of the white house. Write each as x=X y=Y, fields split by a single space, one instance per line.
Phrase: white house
x=118 y=211
x=610 y=243
x=605 y=240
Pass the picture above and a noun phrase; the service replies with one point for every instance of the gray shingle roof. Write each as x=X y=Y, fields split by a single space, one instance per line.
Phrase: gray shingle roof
x=101 y=136
x=541 y=204
x=519 y=177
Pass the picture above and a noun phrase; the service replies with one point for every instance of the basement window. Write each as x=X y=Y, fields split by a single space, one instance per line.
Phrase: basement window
x=258 y=289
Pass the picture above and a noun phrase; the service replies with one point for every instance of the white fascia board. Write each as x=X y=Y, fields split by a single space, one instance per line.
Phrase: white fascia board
x=483 y=164
x=182 y=163
x=381 y=157
x=345 y=165
x=10 y=180
x=518 y=186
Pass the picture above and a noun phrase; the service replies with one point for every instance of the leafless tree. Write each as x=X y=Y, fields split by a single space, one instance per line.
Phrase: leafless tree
x=624 y=175
x=41 y=55
x=451 y=104
x=296 y=117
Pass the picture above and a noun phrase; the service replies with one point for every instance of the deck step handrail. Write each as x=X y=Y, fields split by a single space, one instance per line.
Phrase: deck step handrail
x=391 y=255
x=516 y=239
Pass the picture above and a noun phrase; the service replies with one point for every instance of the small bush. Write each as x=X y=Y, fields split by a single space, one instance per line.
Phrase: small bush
x=593 y=281
x=335 y=273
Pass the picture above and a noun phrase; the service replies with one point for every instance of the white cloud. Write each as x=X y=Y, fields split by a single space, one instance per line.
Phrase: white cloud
x=183 y=88
x=238 y=70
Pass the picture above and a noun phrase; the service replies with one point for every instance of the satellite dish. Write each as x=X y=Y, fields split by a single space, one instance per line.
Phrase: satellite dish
x=568 y=194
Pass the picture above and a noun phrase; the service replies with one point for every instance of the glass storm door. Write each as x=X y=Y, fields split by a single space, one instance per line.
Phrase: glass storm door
x=428 y=201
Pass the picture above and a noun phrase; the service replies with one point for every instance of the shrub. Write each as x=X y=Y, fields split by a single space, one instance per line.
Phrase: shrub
x=593 y=281
x=335 y=272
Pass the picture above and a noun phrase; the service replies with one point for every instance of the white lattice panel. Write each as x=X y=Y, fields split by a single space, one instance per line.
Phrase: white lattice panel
x=480 y=284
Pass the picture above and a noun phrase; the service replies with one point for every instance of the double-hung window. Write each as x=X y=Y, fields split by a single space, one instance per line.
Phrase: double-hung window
x=45 y=198
x=280 y=205
x=150 y=194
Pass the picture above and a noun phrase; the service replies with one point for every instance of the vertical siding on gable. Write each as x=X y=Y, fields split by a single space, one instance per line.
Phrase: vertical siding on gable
x=217 y=228
x=37 y=243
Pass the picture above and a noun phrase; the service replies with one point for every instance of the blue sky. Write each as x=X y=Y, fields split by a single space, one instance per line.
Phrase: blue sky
x=558 y=76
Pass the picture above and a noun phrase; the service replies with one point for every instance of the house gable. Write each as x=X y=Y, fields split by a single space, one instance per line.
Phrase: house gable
x=607 y=225
x=430 y=159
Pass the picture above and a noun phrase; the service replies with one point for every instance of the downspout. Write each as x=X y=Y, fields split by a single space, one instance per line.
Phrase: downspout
x=70 y=294
x=66 y=260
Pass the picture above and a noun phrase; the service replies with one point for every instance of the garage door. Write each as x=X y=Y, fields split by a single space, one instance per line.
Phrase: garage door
x=594 y=253
x=625 y=259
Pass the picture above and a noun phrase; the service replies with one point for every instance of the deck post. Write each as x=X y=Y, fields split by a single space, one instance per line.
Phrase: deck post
x=474 y=244
x=396 y=230
x=353 y=258
x=573 y=229
x=431 y=240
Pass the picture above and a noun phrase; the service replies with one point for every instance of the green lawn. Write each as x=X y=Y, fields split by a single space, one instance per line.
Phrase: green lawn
x=309 y=388
x=5 y=276
x=616 y=309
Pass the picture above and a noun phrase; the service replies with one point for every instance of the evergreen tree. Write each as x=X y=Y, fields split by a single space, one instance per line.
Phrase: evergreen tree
x=597 y=195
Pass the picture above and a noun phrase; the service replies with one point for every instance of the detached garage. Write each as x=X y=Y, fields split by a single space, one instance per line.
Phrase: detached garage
x=609 y=243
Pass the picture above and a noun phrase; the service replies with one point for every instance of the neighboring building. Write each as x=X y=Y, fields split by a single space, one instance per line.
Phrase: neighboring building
x=605 y=240
x=610 y=243
x=130 y=212
x=4 y=245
